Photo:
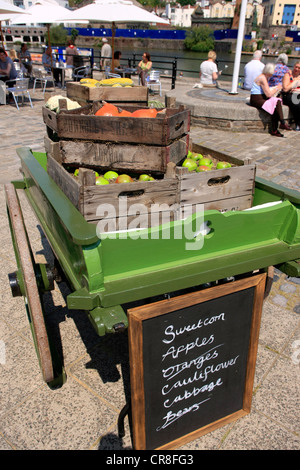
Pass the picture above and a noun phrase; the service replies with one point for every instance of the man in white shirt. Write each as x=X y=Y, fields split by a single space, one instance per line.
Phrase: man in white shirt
x=252 y=70
x=106 y=52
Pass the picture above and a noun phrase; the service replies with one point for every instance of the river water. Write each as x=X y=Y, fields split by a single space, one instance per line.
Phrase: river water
x=188 y=62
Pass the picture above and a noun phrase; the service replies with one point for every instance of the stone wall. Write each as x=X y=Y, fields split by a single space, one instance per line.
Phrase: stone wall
x=135 y=43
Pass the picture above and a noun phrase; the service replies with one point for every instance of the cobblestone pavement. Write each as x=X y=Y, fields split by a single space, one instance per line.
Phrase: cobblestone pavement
x=83 y=413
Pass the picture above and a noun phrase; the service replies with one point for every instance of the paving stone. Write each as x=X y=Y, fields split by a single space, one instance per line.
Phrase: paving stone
x=288 y=288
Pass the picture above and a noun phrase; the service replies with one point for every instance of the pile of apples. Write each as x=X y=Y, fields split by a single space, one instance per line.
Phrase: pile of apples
x=198 y=163
x=113 y=177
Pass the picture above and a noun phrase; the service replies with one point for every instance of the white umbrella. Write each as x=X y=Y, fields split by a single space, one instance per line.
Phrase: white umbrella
x=45 y=12
x=114 y=11
x=7 y=10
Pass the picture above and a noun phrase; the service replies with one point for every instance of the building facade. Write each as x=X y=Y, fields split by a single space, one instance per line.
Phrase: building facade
x=182 y=16
x=281 y=12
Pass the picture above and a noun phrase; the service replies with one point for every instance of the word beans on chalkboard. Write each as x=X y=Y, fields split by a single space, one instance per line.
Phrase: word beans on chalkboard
x=192 y=361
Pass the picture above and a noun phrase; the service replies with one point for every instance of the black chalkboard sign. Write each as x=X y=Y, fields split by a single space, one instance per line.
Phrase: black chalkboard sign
x=192 y=362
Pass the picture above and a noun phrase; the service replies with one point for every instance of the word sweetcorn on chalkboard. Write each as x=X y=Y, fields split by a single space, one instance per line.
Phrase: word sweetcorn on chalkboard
x=192 y=362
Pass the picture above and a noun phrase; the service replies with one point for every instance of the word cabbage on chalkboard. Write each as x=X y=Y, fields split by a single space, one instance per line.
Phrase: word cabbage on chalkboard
x=194 y=352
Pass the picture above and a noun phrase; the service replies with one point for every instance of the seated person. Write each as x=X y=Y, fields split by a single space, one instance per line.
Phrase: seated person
x=260 y=92
x=209 y=70
x=117 y=57
x=281 y=68
x=144 y=67
x=25 y=59
x=8 y=72
x=13 y=55
x=291 y=92
x=48 y=62
x=252 y=69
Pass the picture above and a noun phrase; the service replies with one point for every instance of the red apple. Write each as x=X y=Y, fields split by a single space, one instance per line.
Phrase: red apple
x=124 y=179
x=203 y=168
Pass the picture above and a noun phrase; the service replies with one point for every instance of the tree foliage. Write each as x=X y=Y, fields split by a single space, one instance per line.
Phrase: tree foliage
x=199 y=39
x=58 y=35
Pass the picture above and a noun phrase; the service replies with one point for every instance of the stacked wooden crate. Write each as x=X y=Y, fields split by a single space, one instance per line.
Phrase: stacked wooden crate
x=136 y=95
x=79 y=139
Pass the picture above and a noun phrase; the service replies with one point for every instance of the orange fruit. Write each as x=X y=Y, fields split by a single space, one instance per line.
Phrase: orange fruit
x=107 y=110
x=145 y=113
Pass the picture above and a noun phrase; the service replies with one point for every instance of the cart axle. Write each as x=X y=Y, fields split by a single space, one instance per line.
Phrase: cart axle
x=45 y=277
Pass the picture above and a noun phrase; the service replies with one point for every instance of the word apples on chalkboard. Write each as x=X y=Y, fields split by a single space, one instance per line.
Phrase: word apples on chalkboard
x=192 y=362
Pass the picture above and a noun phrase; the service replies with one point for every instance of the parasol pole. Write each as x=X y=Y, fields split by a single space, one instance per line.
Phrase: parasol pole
x=113 y=32
x=49 y=44
x=2 y=38
x=238 y=49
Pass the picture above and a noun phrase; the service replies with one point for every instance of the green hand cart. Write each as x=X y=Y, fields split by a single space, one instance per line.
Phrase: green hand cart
x=104 y=274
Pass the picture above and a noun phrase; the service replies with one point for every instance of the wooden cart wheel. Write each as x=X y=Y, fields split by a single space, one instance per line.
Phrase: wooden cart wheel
x=29 y=284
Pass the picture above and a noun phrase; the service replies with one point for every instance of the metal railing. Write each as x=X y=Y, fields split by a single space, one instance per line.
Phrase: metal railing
x=170 y=65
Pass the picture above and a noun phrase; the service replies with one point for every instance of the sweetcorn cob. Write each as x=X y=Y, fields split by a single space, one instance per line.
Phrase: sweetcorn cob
x=114 y=81
x=88 y=81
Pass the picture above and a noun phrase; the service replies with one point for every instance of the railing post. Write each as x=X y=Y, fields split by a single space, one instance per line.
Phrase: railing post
x=174 y=72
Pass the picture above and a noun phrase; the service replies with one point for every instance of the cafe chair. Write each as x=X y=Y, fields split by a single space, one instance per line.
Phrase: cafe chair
x=113 y=75
x=152 y=80
x=20 y=89
x=43 y=77
x=81 y=72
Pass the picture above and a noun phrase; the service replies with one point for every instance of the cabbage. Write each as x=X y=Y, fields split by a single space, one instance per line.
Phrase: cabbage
x=53 y=103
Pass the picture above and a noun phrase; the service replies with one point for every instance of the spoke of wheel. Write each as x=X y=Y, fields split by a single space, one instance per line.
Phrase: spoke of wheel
x=30 y=284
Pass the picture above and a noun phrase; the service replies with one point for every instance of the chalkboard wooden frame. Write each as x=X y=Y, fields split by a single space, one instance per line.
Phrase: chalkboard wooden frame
x=137 y=316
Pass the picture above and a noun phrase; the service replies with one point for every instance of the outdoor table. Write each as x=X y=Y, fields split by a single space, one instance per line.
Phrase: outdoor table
x=126 y=71
x=62 y=71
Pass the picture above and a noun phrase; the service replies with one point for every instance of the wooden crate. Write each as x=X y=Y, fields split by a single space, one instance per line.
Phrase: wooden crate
x=223 y=190
x=136 y=95
x=118 y=156
x=87 y=196
x=81 y=123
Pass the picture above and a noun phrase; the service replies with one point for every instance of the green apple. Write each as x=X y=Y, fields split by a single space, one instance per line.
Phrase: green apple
x=190 y=164
x=110 y=175
x=190 y=155
x=144 y=177
x=100 y=180
x=198 y=157
x=124 y=179
x=205 y=161
x=96 y=174
x=76 y=172
x=151 y=178
x=223 y=165
x=203 y=168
